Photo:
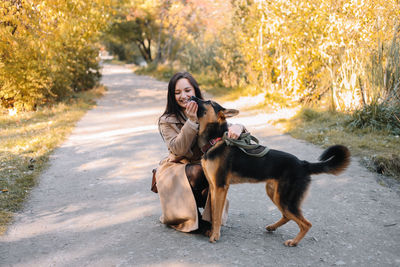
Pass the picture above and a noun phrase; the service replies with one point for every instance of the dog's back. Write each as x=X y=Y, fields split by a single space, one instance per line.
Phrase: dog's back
x=276 y=164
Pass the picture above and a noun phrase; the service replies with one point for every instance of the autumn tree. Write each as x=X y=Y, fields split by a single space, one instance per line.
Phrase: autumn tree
x=48 y=49
x=172 y=31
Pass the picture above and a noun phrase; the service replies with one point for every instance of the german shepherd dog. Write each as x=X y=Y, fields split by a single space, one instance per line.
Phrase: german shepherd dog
x=287 y=178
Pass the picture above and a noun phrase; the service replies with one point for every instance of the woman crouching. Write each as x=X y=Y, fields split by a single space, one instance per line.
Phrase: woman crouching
x=181 y=183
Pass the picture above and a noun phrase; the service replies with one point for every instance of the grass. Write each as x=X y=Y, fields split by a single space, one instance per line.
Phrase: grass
x=379 y=149
x=26 y=141
x=160 y=72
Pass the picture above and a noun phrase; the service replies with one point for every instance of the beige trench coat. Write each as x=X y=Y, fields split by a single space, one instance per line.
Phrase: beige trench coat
x=178 y=205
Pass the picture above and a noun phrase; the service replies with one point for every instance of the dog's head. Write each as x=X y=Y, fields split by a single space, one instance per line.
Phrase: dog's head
x=212 y=119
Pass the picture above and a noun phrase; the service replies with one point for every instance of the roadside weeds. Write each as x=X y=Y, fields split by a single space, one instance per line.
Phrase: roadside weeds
x=26 y=141
x=378 y=150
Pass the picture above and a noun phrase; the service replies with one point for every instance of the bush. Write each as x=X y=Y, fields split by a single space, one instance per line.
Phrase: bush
x=377 y=116
x=52 y=58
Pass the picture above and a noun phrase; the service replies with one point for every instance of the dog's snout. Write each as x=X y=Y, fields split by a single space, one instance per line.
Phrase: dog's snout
x=193 y=98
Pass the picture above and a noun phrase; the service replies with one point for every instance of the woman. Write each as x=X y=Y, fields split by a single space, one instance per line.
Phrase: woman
x=181 y=184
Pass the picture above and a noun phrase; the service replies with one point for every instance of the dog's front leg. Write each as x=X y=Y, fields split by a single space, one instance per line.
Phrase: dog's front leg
x=218 y=197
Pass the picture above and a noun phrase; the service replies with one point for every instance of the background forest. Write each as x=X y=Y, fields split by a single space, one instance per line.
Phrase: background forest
x=345 y=53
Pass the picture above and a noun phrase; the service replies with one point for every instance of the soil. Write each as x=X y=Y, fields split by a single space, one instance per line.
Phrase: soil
x=93 y=205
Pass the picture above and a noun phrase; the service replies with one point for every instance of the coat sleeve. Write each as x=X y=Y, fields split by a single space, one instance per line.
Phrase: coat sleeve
x=178 y=143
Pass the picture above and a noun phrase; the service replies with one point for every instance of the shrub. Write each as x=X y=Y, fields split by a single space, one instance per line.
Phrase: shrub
x=308 y=114
x=52 y=57
x=377 y=116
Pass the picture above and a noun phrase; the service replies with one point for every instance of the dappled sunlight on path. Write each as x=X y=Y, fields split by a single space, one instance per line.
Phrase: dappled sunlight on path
x=245 y=101
x=261 y=119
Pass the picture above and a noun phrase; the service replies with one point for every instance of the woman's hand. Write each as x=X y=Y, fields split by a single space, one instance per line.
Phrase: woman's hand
x=191 y=111
x=234 y=131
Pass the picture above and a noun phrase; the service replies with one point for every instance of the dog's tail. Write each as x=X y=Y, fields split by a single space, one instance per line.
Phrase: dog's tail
x=334 y=160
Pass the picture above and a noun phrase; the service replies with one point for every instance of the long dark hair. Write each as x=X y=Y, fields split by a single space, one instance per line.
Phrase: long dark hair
x=172 y=107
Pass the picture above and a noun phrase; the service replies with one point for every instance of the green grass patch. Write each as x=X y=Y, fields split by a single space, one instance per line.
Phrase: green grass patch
x=26 y=141
x=378 y=116
x=378 y=148
x=160 y=72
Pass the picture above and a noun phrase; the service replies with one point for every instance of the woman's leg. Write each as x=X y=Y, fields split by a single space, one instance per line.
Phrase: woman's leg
x=198 y=182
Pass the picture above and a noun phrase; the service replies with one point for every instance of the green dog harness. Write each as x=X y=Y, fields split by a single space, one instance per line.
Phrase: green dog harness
x=244 y=144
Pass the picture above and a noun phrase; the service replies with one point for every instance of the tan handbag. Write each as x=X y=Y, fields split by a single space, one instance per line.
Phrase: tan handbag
x=154 y=182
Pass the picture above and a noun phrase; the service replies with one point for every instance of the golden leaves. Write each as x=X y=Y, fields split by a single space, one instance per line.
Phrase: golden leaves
x=42 y=44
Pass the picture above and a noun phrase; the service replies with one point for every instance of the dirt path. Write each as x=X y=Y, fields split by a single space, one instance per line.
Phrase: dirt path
x=93 y=206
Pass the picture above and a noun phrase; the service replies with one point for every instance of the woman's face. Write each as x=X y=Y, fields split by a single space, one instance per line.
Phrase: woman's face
x=183 y=91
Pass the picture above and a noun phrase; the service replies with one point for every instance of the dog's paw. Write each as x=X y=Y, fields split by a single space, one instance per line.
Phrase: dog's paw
x=290 y=243
x=207 y=233
x=270 y=228
x=214 y=237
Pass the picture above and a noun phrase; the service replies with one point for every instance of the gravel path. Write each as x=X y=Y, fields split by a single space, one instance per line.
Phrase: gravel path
x=93 y=206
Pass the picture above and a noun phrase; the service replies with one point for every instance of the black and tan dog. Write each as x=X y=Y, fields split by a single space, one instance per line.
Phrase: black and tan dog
x=287 y=178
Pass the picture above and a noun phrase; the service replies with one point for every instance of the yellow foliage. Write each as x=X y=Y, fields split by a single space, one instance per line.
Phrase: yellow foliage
x=46 y=49
x=308 y=48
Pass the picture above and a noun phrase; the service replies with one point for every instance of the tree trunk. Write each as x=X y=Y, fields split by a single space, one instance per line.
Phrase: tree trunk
x=148 y=49
x=362 y=92
x=261 y=50
x=334 y=99
x=144 y=51
x=159 y=54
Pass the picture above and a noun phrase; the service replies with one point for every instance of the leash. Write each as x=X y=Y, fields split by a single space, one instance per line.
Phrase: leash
x=244 y=143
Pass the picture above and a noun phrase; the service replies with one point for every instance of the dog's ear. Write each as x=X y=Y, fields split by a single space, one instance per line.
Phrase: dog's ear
x=221 y=116
x=230 y=112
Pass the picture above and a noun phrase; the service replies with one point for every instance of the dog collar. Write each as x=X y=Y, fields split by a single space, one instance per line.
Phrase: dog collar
x=212 y=142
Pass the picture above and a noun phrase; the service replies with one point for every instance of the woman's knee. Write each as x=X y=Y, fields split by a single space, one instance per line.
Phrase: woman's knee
x=196 y=177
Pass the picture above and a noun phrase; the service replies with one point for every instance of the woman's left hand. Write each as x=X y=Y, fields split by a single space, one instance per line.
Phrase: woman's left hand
x=191 y=111
x=234 y=131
